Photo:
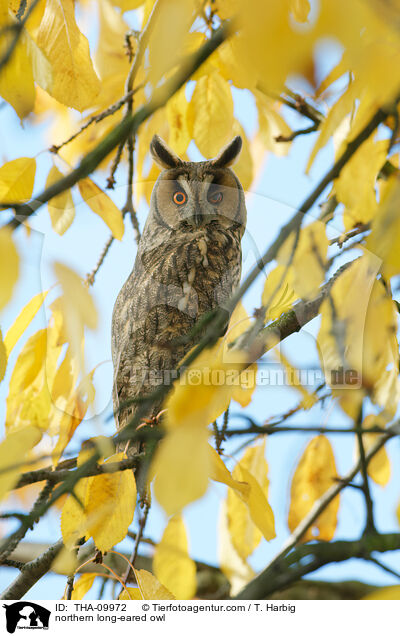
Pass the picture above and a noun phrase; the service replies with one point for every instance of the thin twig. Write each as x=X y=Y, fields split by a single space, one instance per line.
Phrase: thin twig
x=384 y=567
x=296 y=133
x=139 y=535
x=370 y=524
x=90 y=277
x=97 y=118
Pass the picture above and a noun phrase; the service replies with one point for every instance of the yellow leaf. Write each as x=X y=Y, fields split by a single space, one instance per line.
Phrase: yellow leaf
x=61 y=207
x=9 y=266
x=260 y=511
x=131 y=594
x=211 y=114
x=355 y=187
x=3 y=357
x=103 y=206
x=181 y=467
x=111 y=60
x=384 y=240
x=379 y=466
x=16 y=180
x=29 y=362
x=219 y=472
x=177 y=115
x=357 y=339
x=309 y=260
x=13 y=451
x=301 y=9
x=249 y=514
x=23 y=321
x=128 y=5
x=171 y=562
x=237 y=571
x=82 y=586
x=73 y=515
x=109 y=506
x=174 y=19
x=75 y=83
x=272 y=125
x=385 y=594
x=150 y=588
x=278 y=295
x=232 y=67
x=315 y=473
x=244 y=384
x=16 y=77
x=77 y=306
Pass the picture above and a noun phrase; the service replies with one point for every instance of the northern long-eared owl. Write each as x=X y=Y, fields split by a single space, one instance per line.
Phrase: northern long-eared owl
x=188 y=263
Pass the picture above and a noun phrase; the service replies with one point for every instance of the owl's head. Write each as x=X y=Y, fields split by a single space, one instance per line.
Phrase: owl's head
x=194 y=194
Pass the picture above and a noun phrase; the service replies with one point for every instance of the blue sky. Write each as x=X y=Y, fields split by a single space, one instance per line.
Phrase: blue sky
x=280 y=189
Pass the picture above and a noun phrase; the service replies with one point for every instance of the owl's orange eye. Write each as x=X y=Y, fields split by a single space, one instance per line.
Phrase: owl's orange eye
x=215 y=197
x=179 y=197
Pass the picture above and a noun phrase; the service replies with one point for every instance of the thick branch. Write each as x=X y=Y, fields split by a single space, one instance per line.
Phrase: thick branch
x=308 y=558
x=31 y=573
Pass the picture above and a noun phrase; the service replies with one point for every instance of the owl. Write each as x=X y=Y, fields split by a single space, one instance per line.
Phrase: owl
x=188 y=263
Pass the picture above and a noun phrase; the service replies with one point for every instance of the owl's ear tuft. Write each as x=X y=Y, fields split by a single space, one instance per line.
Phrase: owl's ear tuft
x=229 y=154
x=162 y=154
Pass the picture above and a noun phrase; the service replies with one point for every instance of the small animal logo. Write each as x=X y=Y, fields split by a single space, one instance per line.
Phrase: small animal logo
x=26 y=615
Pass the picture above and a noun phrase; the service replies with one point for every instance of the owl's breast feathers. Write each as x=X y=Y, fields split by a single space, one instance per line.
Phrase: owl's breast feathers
x=172 y=284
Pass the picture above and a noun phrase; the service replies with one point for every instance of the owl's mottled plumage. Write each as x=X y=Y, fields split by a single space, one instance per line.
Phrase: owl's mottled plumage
x=188 y=262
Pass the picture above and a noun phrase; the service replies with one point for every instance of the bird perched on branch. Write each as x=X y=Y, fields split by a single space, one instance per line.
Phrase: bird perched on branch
x=188 y=263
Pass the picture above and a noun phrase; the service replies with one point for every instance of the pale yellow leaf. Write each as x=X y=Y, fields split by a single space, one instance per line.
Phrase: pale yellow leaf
x=309 y=260
x=131 y=594
x=61 y=207
x=82 y=586
x=249 y=514
x=13 y=451
x=181 y=467
x=211 y=114
x=77 y=307
x=150 y=588
x=219 y=472
x=73 y=516
x=75 y=82
x=109 y=506
x=171 y=562
x=9 y=266
x=237 y=571
x=29 y=362
x=355 y=186
x=101 y=204
x=16 y=77
x=278 y=295
x=272 y=125
x=111 y=59
x=315 y=473
x=23 y=320
x=3 y=357
x=128 y=5
x=300 y=9
x=379 y=466
x=167 y=37
x=177 y=116
x=384 y=240
x=16 y=180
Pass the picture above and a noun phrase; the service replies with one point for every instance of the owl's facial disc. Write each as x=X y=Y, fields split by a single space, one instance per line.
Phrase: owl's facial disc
x=196 y=195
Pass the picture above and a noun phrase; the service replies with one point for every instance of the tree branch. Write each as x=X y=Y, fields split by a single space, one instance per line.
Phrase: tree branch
x=31 y=573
